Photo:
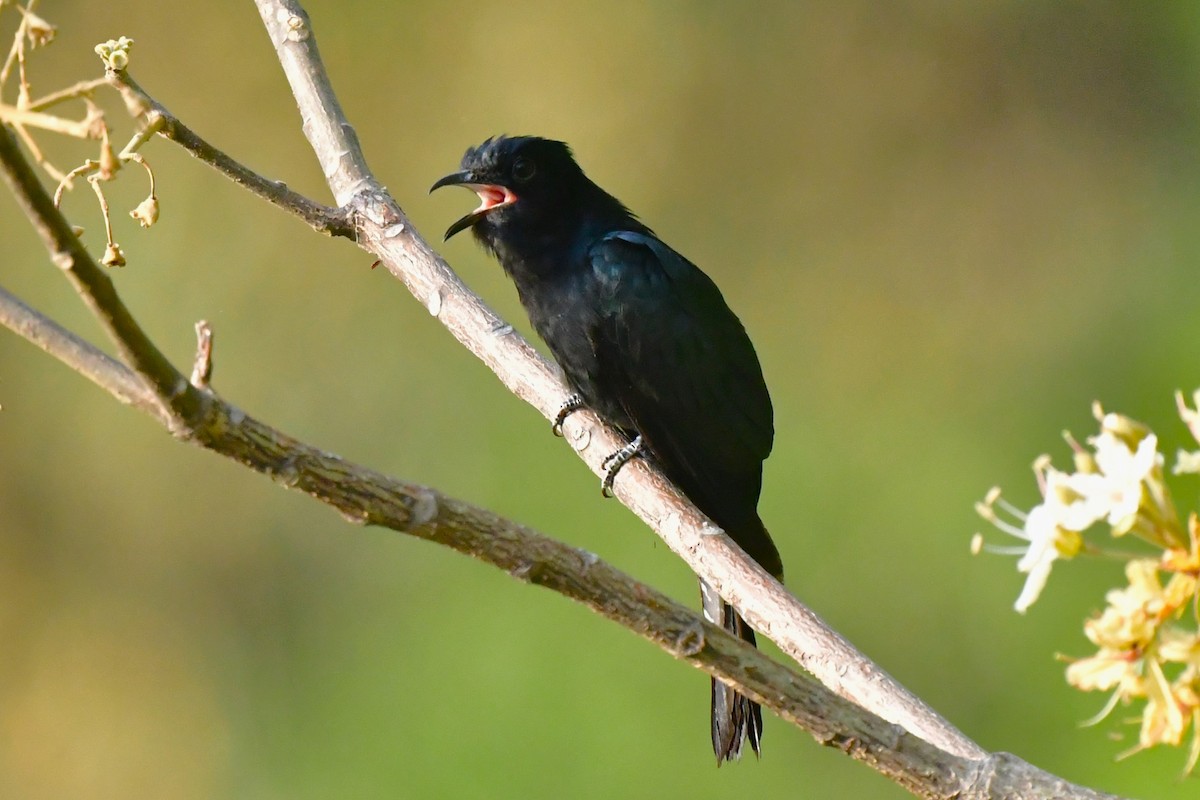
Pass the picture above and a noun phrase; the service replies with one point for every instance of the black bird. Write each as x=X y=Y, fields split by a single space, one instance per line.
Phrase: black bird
x=646 y=340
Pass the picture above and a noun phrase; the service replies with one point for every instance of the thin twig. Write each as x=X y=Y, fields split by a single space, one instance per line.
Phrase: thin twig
x=39 y=157
x=17 y=46
x=138 y=159
x=94 y=180
x=157 y=119
x=66 y=181
x=81 y=89
x=82 y=129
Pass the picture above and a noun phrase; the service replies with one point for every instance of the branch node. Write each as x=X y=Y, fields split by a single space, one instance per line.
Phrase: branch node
x=297 y=26
x=690 y=642
x=424 y=509
x=434 y=303
x=375 y=206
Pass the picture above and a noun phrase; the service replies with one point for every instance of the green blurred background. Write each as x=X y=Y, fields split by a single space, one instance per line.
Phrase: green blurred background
x=949 y=227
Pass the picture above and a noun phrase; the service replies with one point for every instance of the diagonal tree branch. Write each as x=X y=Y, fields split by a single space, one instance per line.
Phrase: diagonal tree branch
x=385 y=231
x=366 y=497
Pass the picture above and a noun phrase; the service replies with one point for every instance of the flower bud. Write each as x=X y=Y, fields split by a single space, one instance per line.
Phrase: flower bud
x=115 y=53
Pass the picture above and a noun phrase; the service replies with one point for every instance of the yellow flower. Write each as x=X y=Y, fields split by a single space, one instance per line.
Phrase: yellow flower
x=1124 y=633
x=1163 y=720
x=1181 y=647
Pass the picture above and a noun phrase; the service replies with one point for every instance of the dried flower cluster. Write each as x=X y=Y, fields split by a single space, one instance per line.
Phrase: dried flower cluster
x=27 y=115
x=1148 y=635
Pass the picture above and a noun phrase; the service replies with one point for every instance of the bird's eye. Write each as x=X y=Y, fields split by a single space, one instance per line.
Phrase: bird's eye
x=523 y=169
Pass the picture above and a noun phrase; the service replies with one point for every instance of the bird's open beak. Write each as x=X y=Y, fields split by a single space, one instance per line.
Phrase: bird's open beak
x=491 y=196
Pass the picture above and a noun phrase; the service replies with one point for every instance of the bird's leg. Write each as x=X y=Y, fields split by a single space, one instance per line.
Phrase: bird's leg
x=571 y=404
x=614 y=461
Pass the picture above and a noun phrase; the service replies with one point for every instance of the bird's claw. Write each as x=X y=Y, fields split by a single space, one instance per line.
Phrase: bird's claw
x=570 y=405
x=613 y=462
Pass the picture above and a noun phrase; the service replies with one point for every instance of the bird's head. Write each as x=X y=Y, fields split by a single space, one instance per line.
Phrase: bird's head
x=522 y=181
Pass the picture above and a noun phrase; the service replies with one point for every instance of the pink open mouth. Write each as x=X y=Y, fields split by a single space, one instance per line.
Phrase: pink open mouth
x=492 y=197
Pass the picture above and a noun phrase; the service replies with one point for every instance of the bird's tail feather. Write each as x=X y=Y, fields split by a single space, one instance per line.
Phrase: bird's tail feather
x=735 y=717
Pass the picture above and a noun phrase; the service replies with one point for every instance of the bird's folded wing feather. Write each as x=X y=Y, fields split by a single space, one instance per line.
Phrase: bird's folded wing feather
x=681 y=363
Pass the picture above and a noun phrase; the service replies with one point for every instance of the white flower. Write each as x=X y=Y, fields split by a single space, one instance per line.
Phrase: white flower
x=1043 y=535
x=1117 y=480
x=1123 y=472
x=1049 y=529
x=1077 y=499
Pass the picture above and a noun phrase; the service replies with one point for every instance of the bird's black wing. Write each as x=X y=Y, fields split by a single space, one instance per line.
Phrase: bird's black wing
x=681 y=366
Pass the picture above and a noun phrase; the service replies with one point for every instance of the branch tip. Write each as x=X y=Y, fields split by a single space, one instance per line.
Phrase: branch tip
x=202 y=367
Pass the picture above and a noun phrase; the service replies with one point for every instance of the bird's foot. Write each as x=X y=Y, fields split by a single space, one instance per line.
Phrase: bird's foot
x=570 y=405
x=613 y=462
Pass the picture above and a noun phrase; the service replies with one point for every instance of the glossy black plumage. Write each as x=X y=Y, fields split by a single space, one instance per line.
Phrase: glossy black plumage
x=646 y=340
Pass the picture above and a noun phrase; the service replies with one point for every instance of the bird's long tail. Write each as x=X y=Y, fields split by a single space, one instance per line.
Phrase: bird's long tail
x=735 y=717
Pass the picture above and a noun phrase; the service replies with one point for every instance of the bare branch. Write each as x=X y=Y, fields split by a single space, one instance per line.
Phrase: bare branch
x=81 y=89
x=364 y=496
x=83 y=129
x=385 y=231
x=39 y=157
